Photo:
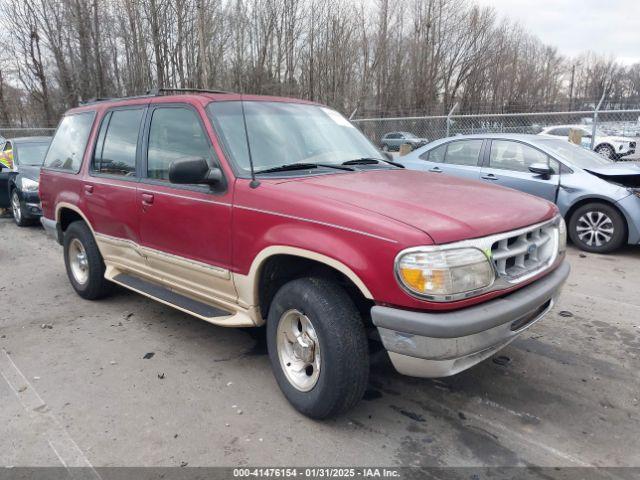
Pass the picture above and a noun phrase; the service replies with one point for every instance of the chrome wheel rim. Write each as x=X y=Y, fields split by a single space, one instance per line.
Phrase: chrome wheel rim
x=605 y=152
x=15 y=207
x=78 y=261
x=298 y=350
x=595 y=228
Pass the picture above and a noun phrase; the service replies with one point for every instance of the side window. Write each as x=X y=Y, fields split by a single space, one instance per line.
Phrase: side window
x=465 y=152
x=515 y=156
x=174 y=133
x=70 y=141
x=7 y=147
x=435 y=155
x=117 y=143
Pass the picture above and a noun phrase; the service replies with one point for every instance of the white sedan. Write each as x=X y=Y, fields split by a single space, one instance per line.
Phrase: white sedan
x=608 y=146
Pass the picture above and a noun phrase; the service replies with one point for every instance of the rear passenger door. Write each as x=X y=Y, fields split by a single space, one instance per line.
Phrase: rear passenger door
x=185 y=230
x=507 y=163
x=109 y=190
x=459 y=157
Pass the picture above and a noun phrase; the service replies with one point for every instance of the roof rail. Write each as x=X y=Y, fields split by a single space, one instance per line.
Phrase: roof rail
x=154 y=92
x=149 y=93
x=159 y=91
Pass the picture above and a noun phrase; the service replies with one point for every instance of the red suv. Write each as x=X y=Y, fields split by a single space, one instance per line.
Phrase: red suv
x=246 y=210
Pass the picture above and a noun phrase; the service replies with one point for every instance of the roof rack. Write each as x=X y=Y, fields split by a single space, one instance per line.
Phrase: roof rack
x=159 y=91
x=154 y=92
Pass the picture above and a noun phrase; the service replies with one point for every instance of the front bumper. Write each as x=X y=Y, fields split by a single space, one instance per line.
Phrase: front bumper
x=424 y=344
x=31 y=202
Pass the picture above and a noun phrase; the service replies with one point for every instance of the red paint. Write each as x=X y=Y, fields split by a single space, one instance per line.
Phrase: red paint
x=362 y=219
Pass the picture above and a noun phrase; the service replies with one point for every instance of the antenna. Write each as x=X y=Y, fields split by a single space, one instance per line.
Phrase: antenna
x=254 y=183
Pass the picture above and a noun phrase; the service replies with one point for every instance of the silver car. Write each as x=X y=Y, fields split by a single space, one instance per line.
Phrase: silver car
x=600 y=199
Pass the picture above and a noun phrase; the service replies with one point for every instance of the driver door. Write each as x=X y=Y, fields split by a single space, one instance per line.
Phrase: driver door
x=6 y=170
x=507 y=163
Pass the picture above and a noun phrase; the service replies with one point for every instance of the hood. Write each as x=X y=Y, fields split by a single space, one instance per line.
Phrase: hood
x=626 y=174
x=614 y=138
x=446 y=208
x=28 y=171
x=617 y=168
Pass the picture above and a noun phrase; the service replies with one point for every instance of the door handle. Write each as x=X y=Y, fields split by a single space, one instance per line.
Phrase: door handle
x=435 y=170
x=489 y=176
x=88 y=189
x=147 y=198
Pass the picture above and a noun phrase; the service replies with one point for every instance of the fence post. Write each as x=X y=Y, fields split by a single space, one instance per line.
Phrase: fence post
x=595 y=117
x=449 y=117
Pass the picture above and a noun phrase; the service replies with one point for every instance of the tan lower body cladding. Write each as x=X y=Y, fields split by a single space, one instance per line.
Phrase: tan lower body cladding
x=204 y=283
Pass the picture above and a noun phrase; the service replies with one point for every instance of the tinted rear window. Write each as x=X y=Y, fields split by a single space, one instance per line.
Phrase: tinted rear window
x=32 y=153
x=69 y=142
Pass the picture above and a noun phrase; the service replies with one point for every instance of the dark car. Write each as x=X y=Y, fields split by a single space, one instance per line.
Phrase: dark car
x=22 y=159
x=393 y=140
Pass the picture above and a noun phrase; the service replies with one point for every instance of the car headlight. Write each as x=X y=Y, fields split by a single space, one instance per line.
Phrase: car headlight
x=562 y=235
x=439 y=273
x=29 y=185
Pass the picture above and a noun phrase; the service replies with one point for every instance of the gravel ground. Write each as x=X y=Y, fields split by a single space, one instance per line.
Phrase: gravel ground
x=127 y=381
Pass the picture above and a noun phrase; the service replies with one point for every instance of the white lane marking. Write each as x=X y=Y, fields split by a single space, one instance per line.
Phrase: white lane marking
x=65 y=448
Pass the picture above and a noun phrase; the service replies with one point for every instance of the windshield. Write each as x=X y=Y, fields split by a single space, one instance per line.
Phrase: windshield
x=574 y=155
x=32 y=154
x=287 y=133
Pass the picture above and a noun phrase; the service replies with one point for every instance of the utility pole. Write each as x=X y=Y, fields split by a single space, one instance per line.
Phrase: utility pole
x=573 y=74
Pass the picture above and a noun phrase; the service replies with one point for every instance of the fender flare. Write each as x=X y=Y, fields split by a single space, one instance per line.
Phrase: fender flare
x=247 y=286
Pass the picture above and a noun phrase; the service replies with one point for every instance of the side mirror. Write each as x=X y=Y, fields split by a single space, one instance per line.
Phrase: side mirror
x=541 y=169
x=194 y=170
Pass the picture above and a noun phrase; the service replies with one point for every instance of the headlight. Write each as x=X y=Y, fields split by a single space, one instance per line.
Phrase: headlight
x=562 y=235
x=29 y=185
x=444 y=273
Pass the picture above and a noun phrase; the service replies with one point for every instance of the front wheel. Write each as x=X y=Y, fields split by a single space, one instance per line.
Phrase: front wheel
x=318 y=347
x=597 y=227
x=17 y=210
x=606 y=151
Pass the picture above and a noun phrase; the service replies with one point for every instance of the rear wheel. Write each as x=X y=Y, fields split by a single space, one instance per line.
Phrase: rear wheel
x=317 y=347
x=84 y=264
x=597 y=227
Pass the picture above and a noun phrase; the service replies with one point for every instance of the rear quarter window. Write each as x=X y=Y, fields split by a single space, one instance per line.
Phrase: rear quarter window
x=69 y=143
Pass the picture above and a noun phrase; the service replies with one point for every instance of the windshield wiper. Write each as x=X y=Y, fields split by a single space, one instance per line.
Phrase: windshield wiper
x=302 y=166
x=371 y=161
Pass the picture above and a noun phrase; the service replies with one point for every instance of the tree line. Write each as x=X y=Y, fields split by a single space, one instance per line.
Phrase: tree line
x=374 y=57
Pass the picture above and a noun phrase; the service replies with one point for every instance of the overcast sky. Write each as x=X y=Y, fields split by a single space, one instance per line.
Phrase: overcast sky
x=608 y=27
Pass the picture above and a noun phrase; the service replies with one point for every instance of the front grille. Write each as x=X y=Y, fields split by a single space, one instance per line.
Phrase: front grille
x=526 y=253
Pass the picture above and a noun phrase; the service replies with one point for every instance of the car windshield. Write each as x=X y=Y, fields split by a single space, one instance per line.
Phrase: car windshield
x=282 y=133
x=574 y=155
x=32 y=154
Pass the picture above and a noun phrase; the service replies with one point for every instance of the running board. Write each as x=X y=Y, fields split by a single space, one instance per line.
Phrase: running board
x=170 y=297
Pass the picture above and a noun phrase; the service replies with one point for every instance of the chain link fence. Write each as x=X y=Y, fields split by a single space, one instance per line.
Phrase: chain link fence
x=609 y=125
x=16 y=132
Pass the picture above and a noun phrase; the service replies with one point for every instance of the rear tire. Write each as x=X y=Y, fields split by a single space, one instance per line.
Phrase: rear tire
x=331 y=373
x=597 y=227
x=84 y=263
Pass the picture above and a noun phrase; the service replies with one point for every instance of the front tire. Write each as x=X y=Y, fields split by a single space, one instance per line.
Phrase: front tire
x=606 y=151
x=318 y=347
x=597 y=227
x=84 y=263
x=17 y=209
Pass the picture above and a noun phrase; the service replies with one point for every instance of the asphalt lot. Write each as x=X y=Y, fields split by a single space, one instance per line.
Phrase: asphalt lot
x=81 y=392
